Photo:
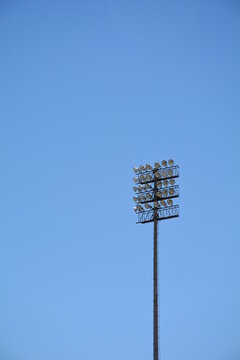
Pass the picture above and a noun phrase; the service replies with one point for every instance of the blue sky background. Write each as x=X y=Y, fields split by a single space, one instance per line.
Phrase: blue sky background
x=90 y=89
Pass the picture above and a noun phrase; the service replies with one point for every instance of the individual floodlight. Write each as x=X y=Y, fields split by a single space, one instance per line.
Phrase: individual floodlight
x=141 y=167
x=135 y=188
x=157 y=175
x=164 y=174
x=165 y=193
x=148 y=196
x=156 y=204
x=135 y=180
x=148 y=206
x=159 y=183
x=170 y=162
x=148 y=167
x=163 y=203
x=164 y=163
x=139 y=208
x=170 y=172
x=135 y=169
x=140 y=188
x=147 y=186
x=142 y=177
x=159 y=194
x=171 y=181
x=135 y=199
x=171 y=191
x=165 y=183
x=157 y=165
x=148 y=177
x=170 y=202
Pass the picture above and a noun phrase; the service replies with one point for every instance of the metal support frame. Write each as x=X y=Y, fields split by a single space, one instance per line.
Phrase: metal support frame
x=162 y=214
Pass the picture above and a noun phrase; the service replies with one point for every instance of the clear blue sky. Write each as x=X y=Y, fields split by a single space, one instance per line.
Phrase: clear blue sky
x=90 y=89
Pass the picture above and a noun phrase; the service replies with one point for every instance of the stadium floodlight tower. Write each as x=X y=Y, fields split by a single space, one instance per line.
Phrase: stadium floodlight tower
x=155 y=191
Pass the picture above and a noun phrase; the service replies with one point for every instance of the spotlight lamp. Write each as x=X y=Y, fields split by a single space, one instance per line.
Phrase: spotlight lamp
x=165 y=182
x=163 y=203
x=149 y=196
x=148 y=187
x=148 y=206
x=165 y=193
x=148 y=167
x=155 y=193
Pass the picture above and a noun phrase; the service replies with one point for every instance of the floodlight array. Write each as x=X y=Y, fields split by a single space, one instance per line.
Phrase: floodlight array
x=155 y=190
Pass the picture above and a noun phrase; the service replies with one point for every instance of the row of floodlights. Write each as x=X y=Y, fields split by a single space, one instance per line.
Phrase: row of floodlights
x=147 y=187
x=161 y=194
x=150 y=177
x=157 y=165
x=157 y=205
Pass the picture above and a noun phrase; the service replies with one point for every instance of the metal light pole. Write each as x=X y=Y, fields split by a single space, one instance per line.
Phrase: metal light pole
x=155 y=279
x=155 y=190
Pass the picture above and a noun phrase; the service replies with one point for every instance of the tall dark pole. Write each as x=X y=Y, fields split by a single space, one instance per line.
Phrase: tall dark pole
x=155 y=280
x=155 y=190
